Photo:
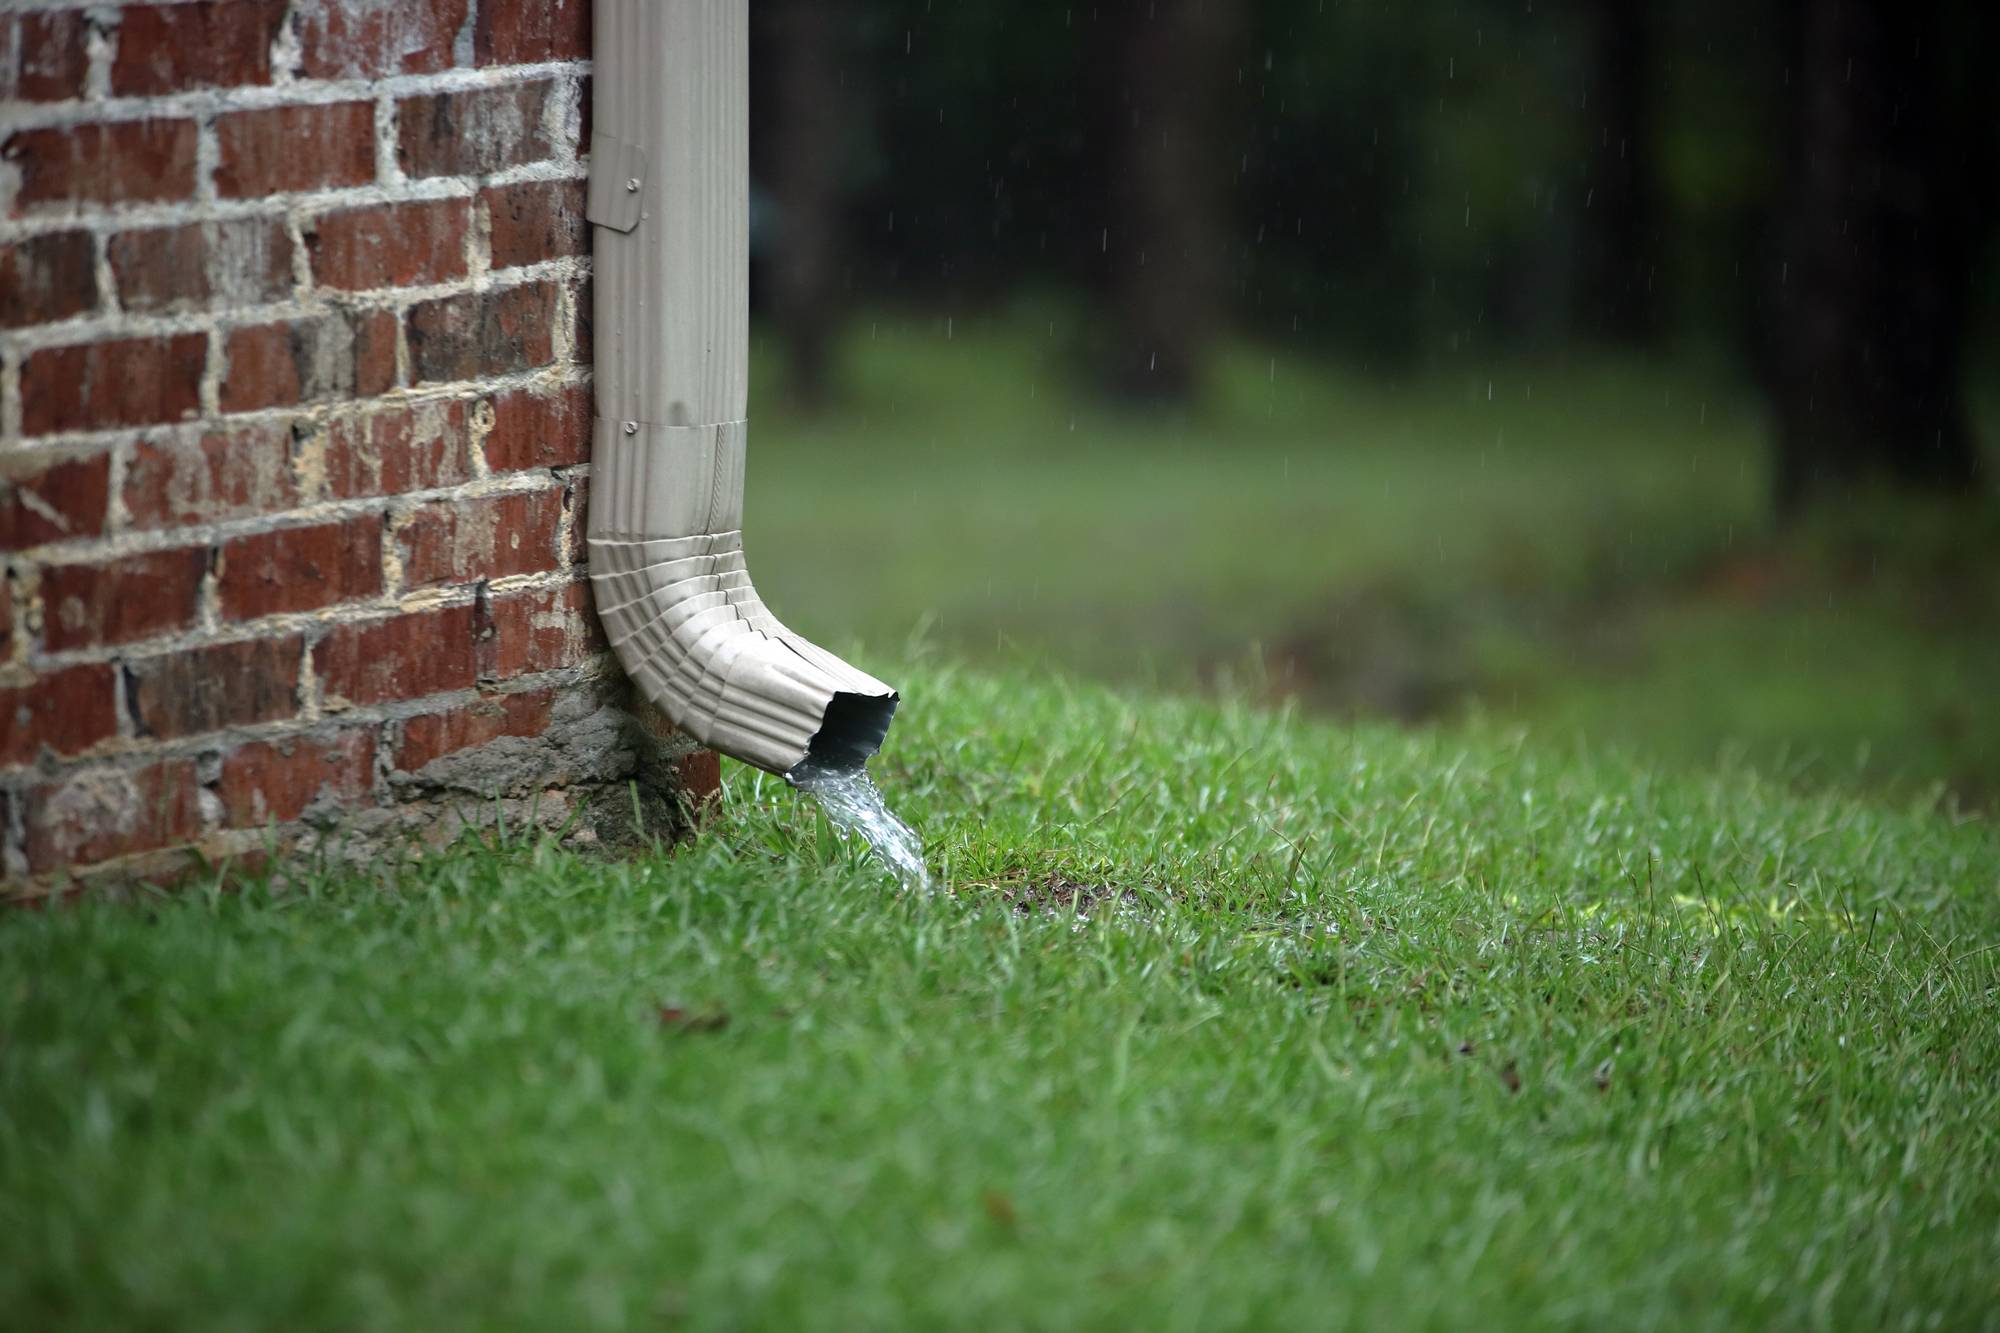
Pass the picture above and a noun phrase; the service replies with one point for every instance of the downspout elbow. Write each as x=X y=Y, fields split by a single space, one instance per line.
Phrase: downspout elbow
x=668 y=207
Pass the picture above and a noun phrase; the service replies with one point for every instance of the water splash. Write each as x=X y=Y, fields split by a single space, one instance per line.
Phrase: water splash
x=852 y=804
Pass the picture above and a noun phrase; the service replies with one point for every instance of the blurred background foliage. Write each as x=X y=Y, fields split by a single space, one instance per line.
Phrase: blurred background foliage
x=1619 y=371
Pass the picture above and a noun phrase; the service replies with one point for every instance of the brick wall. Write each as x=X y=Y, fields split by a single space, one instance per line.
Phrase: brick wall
x=294 y=409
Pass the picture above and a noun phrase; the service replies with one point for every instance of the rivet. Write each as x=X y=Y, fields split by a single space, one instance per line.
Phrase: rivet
x=631 y=185
x=631 y=428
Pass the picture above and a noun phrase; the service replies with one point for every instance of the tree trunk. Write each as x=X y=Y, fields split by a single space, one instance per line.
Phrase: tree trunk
x=1166 y=66
x=801 y=151
x=1876 y=245
x=1621 y=224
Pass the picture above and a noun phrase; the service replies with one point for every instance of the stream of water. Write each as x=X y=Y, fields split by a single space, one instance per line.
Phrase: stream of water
x=854 y=805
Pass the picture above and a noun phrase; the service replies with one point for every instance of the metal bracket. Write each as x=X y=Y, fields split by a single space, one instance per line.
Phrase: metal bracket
x=618 y=183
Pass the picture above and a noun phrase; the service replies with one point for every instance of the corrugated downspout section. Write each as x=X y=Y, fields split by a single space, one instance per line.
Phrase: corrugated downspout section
x=669 y=207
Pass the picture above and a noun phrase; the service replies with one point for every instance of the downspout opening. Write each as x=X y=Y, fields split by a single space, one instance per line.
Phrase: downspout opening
x=852 y=731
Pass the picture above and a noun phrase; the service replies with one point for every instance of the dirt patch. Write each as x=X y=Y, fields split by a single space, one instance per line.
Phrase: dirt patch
x=1056 y=894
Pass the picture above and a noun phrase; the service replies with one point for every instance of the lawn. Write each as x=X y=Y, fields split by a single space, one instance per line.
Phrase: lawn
x=1222 y=1016
x=1580 y=546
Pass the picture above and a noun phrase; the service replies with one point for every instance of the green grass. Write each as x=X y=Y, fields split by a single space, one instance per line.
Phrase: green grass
x=1582 y=547
x=1364 y=1028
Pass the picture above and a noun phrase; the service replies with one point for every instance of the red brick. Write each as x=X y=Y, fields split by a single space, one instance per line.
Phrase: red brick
x=535 y=221
x=375 y=333
x=398 y=450
x=576 y=497
x=404 y=657
x=42 y=56
x=298 y=361
x=209 y=688
x=128 y=382
x=247 y=261
x=224 y=474
x=478 y=130
x=533 y=430
x=133 y=597
x=698 y=778
x=97 y=813
x=47 y=278
x=129 y=162
x=580 y=331
x=208 y=44
x=542 y=630
x=529 y=32
x=461 y=541
x=432 y=735
x=278 y=781
x=390 y=245
x=477 y=334
x=367 y=39
x=295 y=148
x=49 y=500
x=68 y=711
x=301 y=569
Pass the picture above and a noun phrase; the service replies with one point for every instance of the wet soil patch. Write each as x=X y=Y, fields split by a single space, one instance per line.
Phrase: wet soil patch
x=1057 y=895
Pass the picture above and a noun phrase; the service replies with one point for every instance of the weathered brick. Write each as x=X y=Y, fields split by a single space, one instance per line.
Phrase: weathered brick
x=459 y=541
x=432 y=735
x=535 y=221
x=206 y=44
x=367 y=39
x=397 y=450
x=301 y=569
x=246 y=261
x=98 y=813
x=581 y=329
x=476 y=334
x=224 y=474
x=375 y=336
x=128 y=162
x=67 y=710
x=44 y=499
x=478 y=130
x=541 y=630
x=219 y=685
x=576 y=496
x=290 y=148
x=125 y=382
x=528 y=32
x=532 y=429
x=47 y=278
x=117 y=601
x=698 y=777
x=268 y=782
x=297 y=361
x=390 y=245
x=403 y=657
x=42 y=56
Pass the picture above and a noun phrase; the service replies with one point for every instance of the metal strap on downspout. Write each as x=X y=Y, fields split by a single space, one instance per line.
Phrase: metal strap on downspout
x=668 y=204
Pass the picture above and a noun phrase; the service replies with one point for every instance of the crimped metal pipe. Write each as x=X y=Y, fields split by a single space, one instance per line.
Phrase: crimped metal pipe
x=669 y=208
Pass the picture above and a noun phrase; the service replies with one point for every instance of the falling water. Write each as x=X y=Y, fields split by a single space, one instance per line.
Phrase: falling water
x=853 y=805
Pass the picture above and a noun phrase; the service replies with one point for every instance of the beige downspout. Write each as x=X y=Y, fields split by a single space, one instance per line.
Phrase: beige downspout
x=669 y=204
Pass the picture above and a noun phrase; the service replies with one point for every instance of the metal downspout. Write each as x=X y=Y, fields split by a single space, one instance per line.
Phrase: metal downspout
x=669 y=201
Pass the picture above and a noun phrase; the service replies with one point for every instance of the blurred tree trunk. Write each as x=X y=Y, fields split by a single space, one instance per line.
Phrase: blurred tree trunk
x=802 y=146
x=1165 y=68
x=1877 y=237
x=1622 y=224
